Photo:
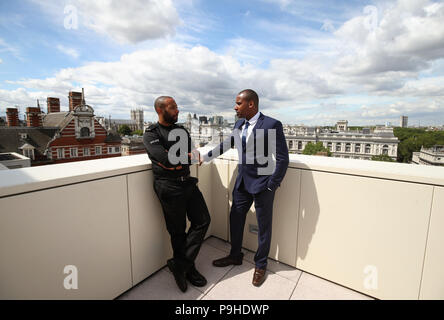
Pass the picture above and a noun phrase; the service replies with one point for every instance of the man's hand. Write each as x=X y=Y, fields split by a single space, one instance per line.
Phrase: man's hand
x=195 y=157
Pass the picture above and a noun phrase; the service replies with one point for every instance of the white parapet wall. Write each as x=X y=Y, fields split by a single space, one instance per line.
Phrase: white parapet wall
x=374 y=227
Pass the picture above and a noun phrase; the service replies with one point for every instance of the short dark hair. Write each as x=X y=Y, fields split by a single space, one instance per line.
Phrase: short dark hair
x=250 y=95
x=159 y=103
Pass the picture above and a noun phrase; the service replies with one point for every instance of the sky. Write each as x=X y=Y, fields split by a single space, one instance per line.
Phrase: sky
x=311 y=62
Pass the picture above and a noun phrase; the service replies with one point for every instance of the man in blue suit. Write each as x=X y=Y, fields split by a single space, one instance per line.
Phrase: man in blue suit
x=263 y=162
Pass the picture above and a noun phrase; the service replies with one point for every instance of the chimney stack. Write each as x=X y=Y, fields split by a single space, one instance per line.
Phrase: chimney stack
x=53 y=104
x=75 y=99
x=12 y=117
x=33 y=117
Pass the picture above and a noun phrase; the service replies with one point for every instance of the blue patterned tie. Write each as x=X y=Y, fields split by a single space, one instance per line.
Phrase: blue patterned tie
x=244 y=136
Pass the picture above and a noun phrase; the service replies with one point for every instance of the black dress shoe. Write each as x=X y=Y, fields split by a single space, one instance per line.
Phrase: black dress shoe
x=179 y=275
x=195 y=278
x=227 y=261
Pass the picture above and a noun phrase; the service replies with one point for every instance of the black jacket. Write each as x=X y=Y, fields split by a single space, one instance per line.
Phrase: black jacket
x=157 y=147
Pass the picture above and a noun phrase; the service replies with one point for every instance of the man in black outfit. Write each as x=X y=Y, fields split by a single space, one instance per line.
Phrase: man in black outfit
x=177 y=191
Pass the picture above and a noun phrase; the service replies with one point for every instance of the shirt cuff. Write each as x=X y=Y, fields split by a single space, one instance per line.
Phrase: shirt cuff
x=205 y=157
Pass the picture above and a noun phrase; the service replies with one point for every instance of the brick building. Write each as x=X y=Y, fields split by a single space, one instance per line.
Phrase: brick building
x=58 y=137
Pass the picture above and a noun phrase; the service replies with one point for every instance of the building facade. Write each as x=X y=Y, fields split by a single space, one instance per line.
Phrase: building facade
x=403 y=122
x=58 y=137
x=345 y=144
x=433 y=156
x=137 y=116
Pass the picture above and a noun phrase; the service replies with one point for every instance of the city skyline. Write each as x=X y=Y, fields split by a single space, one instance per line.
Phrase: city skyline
x=311 y=63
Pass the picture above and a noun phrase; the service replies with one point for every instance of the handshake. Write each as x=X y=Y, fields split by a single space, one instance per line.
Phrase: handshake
x=195 y=157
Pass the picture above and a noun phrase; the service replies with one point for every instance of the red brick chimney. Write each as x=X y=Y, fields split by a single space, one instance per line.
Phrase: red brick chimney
x=75 y=99
x=12 y=117
x=33 y=117
x=53 y=105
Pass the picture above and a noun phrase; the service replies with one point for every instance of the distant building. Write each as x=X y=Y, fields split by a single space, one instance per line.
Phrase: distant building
x=116 y=124
x=433 y=156
x=403 y=121
x=342 y=126
x=58 y=137
x=344 y=144
x=203 y=120
x=137 y=116
x=132 y=145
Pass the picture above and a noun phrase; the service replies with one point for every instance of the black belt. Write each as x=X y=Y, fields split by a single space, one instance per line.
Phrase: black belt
x=181 y=178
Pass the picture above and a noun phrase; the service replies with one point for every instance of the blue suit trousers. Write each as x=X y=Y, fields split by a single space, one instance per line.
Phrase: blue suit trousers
x=263 y=203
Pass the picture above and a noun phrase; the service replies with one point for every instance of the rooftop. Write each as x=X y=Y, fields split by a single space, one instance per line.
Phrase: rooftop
x=234 y=282
x=342 y=228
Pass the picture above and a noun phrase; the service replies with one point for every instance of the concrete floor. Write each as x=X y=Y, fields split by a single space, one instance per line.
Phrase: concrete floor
x=234 y=282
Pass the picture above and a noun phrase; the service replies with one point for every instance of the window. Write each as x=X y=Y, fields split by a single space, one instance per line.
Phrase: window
x=367 y=148
x=73 y=152
x=358 y=148
x=338 y=147
x=86 y=152
x=385 y=149
x=347 y=147
x=60 y=153
x=84 y=132
x=329 y=146
x=110 y=150
x=98 y=150
x=299 y=145
x=290 y=144
x=117 y=149
x=29 y=153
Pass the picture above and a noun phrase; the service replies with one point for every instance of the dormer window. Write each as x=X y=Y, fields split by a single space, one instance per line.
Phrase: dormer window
x=28 y=151
x=84 y=132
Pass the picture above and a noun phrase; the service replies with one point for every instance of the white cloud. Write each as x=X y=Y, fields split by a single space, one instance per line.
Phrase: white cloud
x=390 y=61
x=123 y=21
x=68 y=51
x=130 y=21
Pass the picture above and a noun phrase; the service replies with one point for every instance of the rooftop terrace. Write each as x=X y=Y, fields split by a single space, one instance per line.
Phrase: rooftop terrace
x=342 y=228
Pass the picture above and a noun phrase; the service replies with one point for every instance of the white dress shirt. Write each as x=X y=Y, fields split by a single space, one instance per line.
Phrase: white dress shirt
x=252 y=121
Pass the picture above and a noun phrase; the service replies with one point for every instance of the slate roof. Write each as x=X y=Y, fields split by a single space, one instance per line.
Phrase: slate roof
x=11 y=141
x=57 y=119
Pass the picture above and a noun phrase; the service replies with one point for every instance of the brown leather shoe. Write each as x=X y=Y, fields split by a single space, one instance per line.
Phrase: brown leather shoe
x=227 y=261
x=258 y=277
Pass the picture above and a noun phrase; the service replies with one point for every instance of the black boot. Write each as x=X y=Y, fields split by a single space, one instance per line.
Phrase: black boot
x=195 y=278
x=179 y=275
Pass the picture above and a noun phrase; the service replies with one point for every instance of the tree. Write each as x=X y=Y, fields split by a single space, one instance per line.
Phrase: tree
x=313 y=149
x=382 y=157
x=137 y=132
x=412 y=139
x=124 y=130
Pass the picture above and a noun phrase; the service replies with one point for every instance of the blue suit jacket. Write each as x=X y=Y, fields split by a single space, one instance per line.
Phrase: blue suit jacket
x=254 y=159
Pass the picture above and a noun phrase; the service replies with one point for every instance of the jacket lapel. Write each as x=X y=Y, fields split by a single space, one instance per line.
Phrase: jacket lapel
x=258 y=125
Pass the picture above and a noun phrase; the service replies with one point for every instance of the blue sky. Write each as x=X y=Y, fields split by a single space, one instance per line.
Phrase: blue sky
x=312 y=62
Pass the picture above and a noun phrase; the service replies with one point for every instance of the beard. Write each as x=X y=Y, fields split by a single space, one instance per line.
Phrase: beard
x=168 y=118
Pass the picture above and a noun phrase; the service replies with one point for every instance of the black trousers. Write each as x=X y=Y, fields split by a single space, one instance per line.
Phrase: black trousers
x=181 y=199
